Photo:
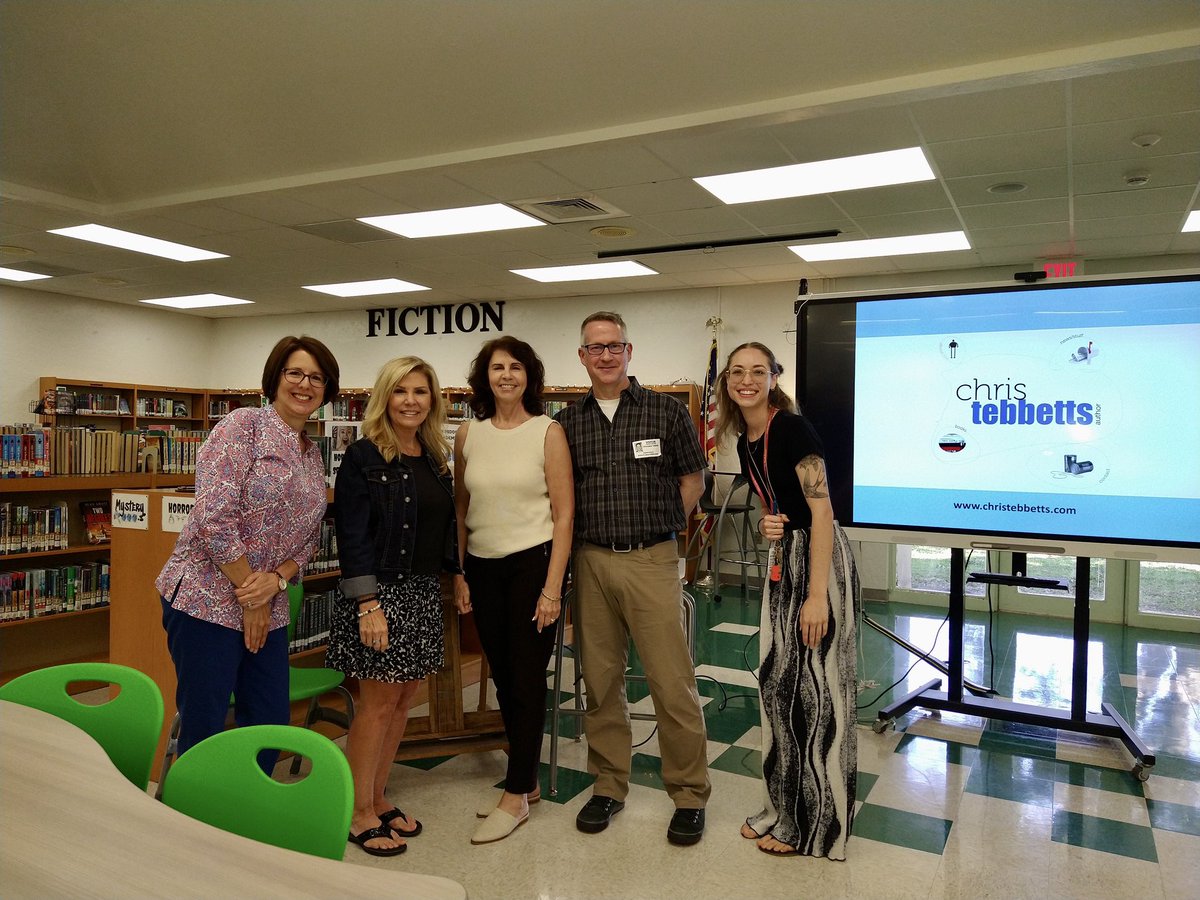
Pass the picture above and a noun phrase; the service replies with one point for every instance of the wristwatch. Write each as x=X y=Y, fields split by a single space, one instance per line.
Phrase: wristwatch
x=283 y=584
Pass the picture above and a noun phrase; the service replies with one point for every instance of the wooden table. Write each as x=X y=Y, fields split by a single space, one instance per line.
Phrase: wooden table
x=72 y=826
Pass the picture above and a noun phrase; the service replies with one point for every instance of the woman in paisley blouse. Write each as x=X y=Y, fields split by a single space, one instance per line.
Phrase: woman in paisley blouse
x=260 y=498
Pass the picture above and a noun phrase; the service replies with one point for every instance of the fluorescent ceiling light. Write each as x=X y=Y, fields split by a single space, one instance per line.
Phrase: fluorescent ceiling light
x=894 y=246
x=18 y=275
x=586 y=272
x=127 y=240
x=823 y=177
x=1192 y=222
x=197 y=301
x=366 y=288
x=464 y=220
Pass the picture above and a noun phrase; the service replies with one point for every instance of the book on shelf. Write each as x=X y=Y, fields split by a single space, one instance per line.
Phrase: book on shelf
x=341 y=436
x=97 y=521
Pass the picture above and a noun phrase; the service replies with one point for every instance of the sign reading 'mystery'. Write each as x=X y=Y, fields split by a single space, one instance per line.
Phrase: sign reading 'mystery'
x=439 y=318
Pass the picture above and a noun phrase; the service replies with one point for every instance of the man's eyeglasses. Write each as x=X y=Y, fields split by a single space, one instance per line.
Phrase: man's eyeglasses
x=758 y=374
x=297 y=376
x=616 y=348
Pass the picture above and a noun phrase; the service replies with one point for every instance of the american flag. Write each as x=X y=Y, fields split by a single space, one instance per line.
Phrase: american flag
x=708 y=428
x=708 y=437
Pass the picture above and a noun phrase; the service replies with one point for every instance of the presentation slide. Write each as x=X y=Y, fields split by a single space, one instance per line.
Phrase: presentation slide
x=1062 y=412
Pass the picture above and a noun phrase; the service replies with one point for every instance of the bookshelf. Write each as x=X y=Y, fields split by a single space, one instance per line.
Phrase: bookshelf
x=70 y=635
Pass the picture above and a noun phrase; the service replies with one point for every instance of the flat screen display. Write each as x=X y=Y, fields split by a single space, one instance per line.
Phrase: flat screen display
x=1060 y=418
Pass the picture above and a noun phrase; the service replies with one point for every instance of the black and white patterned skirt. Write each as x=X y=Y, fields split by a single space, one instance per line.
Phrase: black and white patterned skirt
x=416 y=645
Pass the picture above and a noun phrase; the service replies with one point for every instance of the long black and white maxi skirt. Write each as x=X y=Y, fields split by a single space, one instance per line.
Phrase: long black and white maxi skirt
x=810 y=743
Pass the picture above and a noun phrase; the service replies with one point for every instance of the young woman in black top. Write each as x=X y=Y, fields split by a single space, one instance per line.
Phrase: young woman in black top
x=807 y=679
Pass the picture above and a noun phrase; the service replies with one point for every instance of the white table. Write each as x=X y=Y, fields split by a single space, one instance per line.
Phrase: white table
x=72 y=826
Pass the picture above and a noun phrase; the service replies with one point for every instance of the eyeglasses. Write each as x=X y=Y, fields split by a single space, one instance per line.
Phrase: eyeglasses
x=615 y=348
x=758 y=374
x=297 y=376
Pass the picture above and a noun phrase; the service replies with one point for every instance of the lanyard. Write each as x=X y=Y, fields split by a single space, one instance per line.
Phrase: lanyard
x=765 y=491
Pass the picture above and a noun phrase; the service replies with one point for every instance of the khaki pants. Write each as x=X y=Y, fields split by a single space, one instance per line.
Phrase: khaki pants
x=638 y=595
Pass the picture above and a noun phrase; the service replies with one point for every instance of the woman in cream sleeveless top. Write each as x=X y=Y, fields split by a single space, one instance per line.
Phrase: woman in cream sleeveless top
x=514 y=494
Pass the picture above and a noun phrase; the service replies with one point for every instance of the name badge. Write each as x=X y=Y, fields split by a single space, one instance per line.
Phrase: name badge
x=647 y=449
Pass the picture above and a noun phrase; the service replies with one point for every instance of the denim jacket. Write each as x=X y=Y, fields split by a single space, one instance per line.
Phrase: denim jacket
x=376 y=515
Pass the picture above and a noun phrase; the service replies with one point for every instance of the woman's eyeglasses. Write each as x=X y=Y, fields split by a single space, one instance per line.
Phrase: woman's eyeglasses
x=297 y=376
x=739 y=374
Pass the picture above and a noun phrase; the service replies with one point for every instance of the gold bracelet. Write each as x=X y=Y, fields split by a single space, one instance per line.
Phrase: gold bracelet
x=548 y=597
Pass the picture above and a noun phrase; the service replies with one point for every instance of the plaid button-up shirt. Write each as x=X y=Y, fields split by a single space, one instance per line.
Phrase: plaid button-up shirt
x=627 y=471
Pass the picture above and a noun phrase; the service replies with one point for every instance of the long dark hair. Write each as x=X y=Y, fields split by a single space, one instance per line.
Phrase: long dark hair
x=729 y=414
x=483 y=401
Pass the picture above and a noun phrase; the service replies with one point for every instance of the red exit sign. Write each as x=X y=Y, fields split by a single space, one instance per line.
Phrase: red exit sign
x=1063 y=268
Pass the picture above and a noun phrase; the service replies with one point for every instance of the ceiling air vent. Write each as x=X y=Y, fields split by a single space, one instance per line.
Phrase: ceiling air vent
x=570 y=209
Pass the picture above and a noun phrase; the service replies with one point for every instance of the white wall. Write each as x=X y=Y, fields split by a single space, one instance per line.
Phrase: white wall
x=68 y=337
x=667 y=330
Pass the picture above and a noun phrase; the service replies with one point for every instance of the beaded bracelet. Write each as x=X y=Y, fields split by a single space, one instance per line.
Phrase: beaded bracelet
x=367 y=612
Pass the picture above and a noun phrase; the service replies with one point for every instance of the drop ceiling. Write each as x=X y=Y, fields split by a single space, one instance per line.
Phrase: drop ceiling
x=261 y=130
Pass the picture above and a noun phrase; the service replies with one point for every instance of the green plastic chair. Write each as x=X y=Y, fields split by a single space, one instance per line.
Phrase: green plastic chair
x=219 y=781
x=127 y=726
x=303 y=684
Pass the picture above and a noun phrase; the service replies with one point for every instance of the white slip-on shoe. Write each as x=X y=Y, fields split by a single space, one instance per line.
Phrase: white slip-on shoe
x=497 y=826
x=486 y=808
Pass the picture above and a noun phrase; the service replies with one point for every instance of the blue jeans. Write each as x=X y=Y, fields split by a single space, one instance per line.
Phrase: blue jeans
x=211 y=663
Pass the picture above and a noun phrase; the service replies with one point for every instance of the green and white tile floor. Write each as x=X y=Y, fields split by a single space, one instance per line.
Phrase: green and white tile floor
x=949 y=806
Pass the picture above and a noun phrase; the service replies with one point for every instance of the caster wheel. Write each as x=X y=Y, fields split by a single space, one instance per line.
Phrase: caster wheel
x=1140 y=772
x=879 y=726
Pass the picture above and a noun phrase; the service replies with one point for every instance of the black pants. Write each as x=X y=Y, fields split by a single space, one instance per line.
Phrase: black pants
x=504 y=595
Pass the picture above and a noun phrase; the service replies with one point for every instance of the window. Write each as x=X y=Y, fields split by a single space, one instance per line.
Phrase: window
x=1041 y=565
x=1169 y=589
x=928 y=569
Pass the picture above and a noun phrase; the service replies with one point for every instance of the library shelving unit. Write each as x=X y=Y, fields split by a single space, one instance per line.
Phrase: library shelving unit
x=125 y=406
x=32 y=643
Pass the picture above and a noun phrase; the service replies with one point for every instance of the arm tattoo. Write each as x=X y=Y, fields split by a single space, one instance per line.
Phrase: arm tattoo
x=812 y=477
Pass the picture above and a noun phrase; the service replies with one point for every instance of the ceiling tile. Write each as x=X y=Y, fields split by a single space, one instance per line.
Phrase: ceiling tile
x=1134 y=202
x=1017 y=152
x=1021 y=212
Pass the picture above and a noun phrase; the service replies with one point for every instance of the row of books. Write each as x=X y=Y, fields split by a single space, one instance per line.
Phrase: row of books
x=162 y=407
x=351 y=408
x=31 y=593
x=79 y=450
x=326 y=557
x=24 y=451
x=28 y=529
x=219 y=408
x=95 y=403
x=312 y=626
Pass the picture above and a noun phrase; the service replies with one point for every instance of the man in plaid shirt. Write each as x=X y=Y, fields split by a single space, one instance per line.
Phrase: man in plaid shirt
x=638 y=473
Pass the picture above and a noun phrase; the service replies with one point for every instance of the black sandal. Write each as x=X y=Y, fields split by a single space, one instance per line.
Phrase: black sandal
x=396 y=813
x=379 y=831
